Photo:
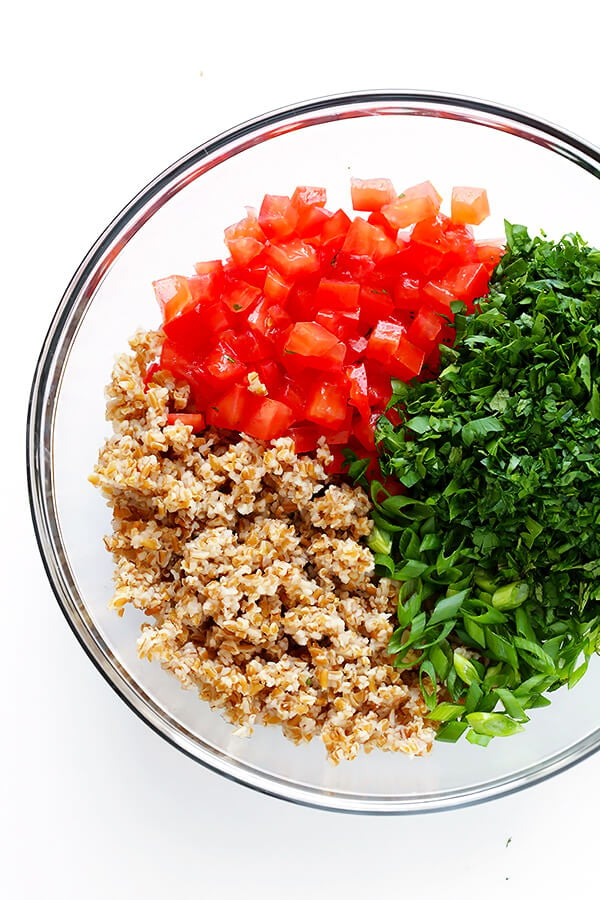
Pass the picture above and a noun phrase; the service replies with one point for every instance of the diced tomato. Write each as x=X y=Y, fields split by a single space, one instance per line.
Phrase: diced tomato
x=253 y=274
x=371 y=194
x=384 y=340
x=330 y=361
x=195 y=329
x=339 y=435
x=292 y=394
x=305 y=437
x=267 y=318
x=276 y=288
x=407 y=293
x=342 y=323
x=417 y=261
x=271 y=375
x=323 y=311
x=245 y=240
x=363 y=239
x=468 y=282
x=184 y=368
x=414 y=204
x=173 y=295
x=439 y=297
x=194 y=420
x=337 y=294
x=431 y=232
x=375 y=304
x=310 y=339
x=469 y=205
x=489 y=253
x=376 y=218
x=309 y=203
x=239 y=297
x=231 y=409
x=209 y=267
x=335 y=229
x=380 y=387
x=364 y=430
x=267 y=419
x=277 y=216
x=248 y=346
x=244 y=250
x=460 y=241
x=326 y=404
x=306 y=196
x=425 y=329
x=407 y=361
x=222 y=367
x=311 y=221
x=356 y=348
x=293 y=258
x=359 y=389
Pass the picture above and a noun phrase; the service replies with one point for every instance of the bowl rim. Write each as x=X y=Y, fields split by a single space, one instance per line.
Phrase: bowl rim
x=45 y=390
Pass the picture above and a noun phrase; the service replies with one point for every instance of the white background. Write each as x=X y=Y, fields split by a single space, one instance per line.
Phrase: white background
x=97 y=99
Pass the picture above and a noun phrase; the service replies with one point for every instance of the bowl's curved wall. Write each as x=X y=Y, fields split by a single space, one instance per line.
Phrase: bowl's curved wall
x=534 y=174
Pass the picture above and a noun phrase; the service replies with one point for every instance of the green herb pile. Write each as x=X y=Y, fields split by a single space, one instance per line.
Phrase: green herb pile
x=497 y=538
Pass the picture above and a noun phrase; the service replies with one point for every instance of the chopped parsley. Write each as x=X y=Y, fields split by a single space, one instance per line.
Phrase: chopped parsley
x=497 y=538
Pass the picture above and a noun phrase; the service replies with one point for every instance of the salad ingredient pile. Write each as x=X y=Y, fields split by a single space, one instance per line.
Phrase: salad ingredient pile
x=252 y=571
x=299 y=331
x=497 y=540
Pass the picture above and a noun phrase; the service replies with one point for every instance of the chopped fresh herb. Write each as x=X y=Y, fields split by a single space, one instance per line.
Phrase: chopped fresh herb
x=230 y=358
x=497 y=540
x=237 y=307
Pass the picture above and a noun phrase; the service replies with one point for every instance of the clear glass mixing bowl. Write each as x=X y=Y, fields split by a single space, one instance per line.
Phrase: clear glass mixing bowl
x=535 y=174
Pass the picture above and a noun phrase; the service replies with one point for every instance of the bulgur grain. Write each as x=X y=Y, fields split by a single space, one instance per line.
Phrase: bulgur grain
x=249 y=564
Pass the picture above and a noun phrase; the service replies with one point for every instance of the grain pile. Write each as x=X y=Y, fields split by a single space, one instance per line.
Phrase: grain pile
x=249 y=564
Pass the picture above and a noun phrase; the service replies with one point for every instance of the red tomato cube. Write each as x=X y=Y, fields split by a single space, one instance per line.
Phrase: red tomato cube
x=359 y=389
x=363 y=239
x=407 y=361
x=277 y=216
x=326 y=404
x=222 y=367
x=245 y=239
x=173 y=295
x=276 y=288
x=305 y=196
x=489 y=253
x=267 y=419
x=337 y=294
x=309 y=339
x=240 y=296
x=469 y=205
x=232 y=409
x=439 y=296
x=414 y=204
x=305 y=437
x=371 y=194
x=384 y=340
x=294 y=258
x=468 y=282
x=425 y=329
x=194 y=420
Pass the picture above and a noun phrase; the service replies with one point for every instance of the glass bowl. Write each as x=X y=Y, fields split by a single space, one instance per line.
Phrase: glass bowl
x=535 y=173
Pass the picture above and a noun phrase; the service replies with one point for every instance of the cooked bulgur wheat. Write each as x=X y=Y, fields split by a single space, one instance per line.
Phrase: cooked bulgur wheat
x=249 y=563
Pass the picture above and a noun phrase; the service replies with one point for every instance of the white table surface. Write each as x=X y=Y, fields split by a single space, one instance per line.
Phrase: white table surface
x=98 y=99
